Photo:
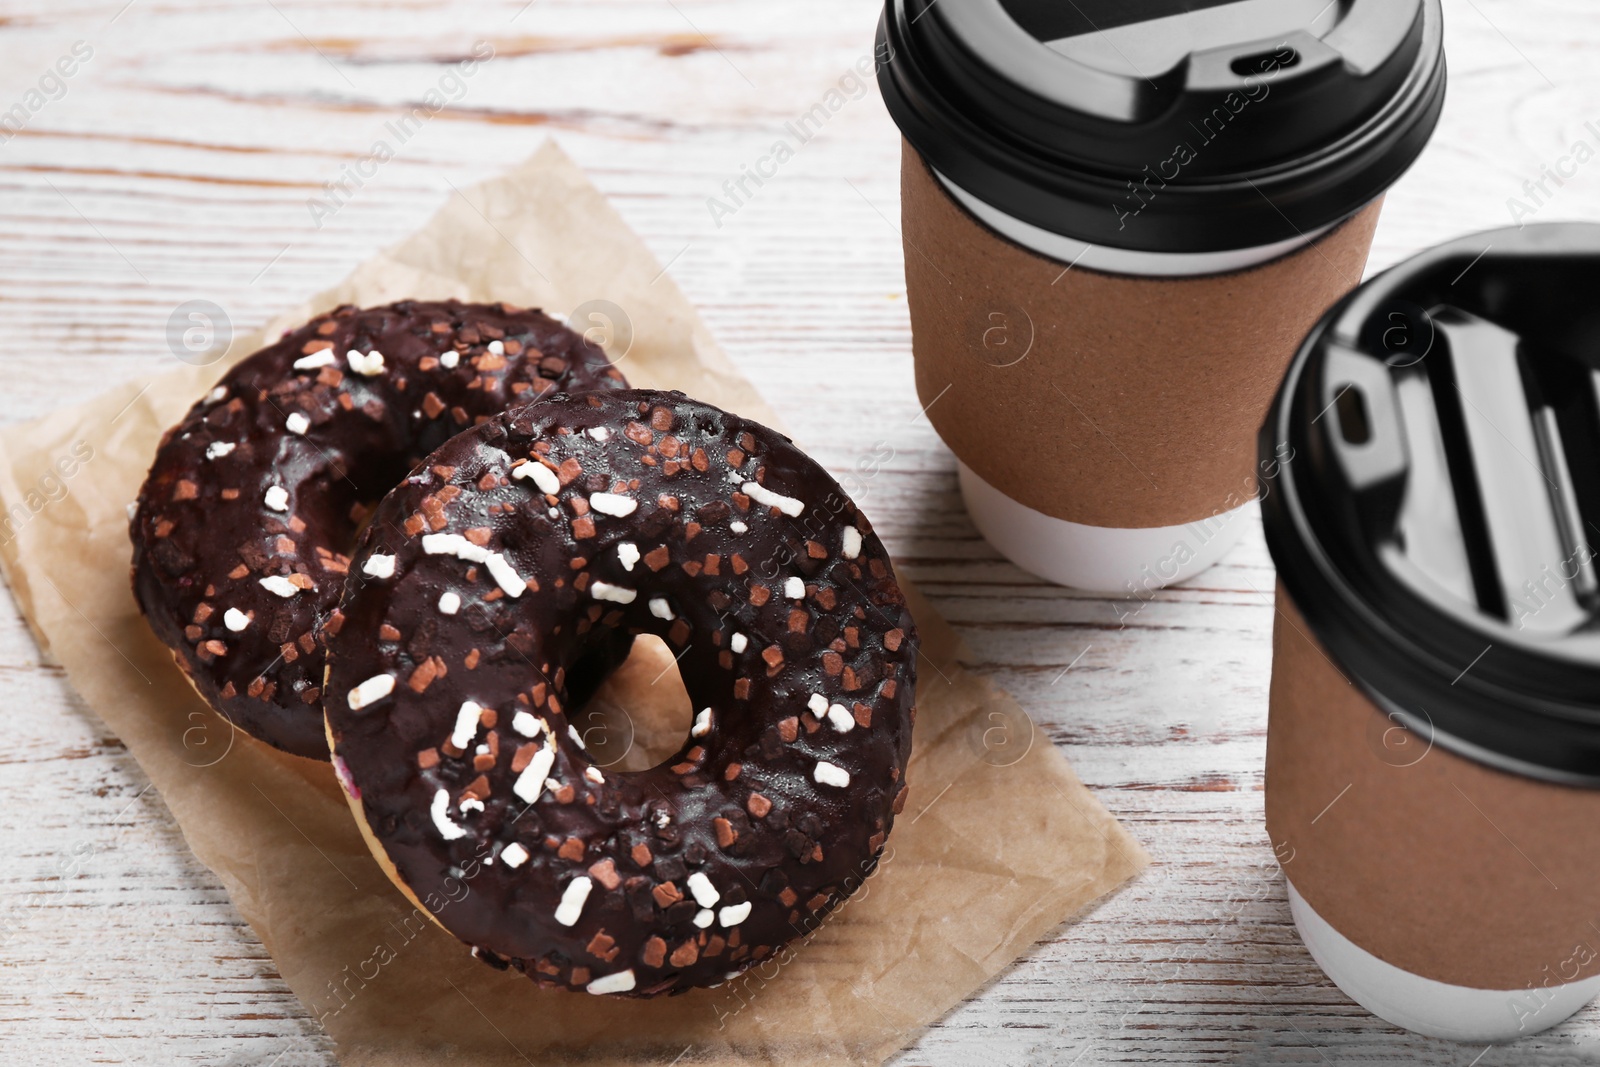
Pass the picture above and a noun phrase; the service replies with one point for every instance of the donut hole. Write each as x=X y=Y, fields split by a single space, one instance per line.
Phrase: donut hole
x=640 y=717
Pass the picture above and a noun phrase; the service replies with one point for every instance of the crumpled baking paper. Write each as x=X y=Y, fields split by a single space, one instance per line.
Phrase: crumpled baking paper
x=999 y=842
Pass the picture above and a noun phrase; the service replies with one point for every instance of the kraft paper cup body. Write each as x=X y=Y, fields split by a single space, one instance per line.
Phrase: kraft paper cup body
x=1433 y=746
x=1119 y=222
x=1105 y=423
x=1402 y=885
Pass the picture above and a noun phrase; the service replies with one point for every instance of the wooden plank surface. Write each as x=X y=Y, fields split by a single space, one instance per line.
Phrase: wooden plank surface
x=182 y=161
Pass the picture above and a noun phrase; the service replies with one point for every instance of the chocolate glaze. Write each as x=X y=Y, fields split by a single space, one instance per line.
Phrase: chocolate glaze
x=205 y=535
x=742 y=805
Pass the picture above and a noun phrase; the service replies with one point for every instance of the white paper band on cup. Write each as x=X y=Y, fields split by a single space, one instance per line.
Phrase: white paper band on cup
x=1120 y=260
x=1097 y=558
x=1424 y=1006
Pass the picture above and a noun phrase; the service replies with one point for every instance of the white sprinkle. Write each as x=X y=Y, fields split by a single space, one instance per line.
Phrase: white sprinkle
x=469 y=805
x=297 y=422
x=370 y=691
x=450 y=603
x=530 y=783
x=702 y=723
x=663 y=819
x=449 y=544
x=505 y=575
x=341 y=771
x=827 y=774
x=542 y=476
x=841 y=718
x=378 y=566
x=277 y=583
x=818 y=705
x=738 y=527
x=526 y=725
x=217 y=394
x=368 y=365
x=620 y=982
x=572 y=901
x=786 y=504
x=514 y=855
x=577 y=738
x=324 y=358
x=794 y=588
x=235 y=620
x=599 y=433
x=705 y=894
x=613 y=504
x=441 y=817
x=132 y=508
x=738 y=642
x=449 y=360
x=704 y=918
x=276 y=498
x=614 y=593
x=852 y=542
x=466 y=724
x=554 y=513
x=594 y=775
x=628 y=553
x=659 y=608
x=218 y=449
x=497 y=347
x=734 y=914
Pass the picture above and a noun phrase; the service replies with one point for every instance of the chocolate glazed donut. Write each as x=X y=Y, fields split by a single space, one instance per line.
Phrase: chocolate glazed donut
x=242 y=528
x=448 y=691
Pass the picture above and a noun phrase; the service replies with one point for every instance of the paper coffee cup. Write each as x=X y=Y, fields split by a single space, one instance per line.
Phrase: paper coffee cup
x=1119 y=220
x=1433 y=753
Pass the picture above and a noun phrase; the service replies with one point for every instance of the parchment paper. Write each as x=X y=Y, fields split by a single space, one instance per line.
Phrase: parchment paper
x=999 y=842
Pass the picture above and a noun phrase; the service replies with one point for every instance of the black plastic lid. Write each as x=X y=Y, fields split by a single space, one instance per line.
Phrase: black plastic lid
x=1431 y=493
x=1167 y=125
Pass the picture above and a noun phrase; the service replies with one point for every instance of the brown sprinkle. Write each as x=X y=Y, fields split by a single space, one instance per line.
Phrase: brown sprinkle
x=602 y=946
x=429 y=669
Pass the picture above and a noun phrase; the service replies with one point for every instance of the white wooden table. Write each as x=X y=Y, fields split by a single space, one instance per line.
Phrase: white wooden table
x=178 y=165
